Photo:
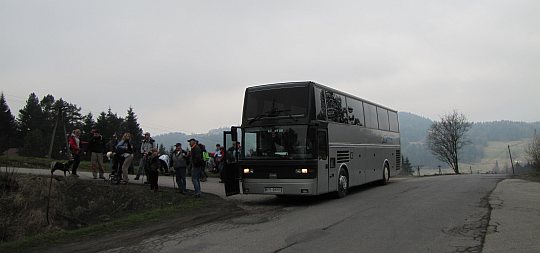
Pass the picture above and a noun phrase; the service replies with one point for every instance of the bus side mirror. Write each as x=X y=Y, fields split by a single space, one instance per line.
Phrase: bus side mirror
x=234 y=134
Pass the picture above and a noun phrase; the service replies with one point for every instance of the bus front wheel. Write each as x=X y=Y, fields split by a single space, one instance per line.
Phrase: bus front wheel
x=386 y=175
x=343 y=183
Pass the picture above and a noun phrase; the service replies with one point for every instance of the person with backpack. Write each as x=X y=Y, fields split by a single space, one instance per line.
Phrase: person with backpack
x=197 y=166
x=205 y=157
x=124 y=148
x=146 y=147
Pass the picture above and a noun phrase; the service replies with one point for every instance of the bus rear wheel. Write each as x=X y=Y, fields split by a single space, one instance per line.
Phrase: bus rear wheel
x=343 y=183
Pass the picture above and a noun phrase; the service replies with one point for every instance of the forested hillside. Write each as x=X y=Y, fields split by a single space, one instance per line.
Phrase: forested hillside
x=483 y=136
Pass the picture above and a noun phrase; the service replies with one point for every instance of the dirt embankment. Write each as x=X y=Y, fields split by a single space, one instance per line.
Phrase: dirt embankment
x=134 y=211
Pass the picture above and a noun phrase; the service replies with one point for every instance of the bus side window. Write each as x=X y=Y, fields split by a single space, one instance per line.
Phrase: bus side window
x=322 y=145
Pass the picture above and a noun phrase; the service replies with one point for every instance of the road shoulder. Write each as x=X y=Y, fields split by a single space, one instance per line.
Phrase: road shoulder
x=515 y=217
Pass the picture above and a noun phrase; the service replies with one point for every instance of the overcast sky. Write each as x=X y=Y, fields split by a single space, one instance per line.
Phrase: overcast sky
x=184 y=65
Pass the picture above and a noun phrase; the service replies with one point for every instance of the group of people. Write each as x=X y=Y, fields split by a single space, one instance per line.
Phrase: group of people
x=121 y=155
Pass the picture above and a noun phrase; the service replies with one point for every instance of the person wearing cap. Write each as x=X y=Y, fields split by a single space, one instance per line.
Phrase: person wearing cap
x=179 y=164
x=147 y=145
x=197 y=166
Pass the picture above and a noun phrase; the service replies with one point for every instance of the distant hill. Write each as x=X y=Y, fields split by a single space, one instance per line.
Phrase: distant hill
x=488 y=148
x=209 y=139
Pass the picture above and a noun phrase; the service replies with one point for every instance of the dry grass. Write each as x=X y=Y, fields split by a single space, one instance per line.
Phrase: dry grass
x=73 y=203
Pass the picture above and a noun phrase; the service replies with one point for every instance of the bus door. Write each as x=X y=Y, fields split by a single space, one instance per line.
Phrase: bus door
x=323 y=171
x=231 y=168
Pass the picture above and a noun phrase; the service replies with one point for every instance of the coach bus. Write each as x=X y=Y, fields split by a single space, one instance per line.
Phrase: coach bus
x=303 y=138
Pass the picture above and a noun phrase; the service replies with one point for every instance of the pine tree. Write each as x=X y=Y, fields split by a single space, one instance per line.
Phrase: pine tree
x=132 y=126
x=7 y=125
x=101 y=125
x=34 y=144
x=109 y=124
x=31 y=124
x=161 y=148
x=49 y=109
x=407 y=167
x=31 y=116
x=72 y=114
x=88 y=123
x=50 y=113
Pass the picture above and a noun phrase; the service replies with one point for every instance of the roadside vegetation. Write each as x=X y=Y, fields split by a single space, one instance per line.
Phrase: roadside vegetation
x=77 y=208
x=34 y=162
x=530 y=176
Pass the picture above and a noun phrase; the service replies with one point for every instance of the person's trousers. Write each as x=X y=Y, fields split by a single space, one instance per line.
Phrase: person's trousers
x=153 y=176
x=196 y=173
x=142 y=166
x=76 y=162
x=125 y=166
x=97 y=164
x=181 y=178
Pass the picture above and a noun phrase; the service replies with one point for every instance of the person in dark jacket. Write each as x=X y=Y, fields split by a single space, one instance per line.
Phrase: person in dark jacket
x=153 y=165
x=96 y=147
x=179 y=163
x=197 y=166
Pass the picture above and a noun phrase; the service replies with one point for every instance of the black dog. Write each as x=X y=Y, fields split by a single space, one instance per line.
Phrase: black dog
x=61 y=166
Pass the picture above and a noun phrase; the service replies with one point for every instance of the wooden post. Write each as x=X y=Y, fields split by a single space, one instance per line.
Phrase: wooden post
x=511 y=161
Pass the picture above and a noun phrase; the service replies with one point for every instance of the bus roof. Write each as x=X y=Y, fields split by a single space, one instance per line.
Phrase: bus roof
x=308 y=83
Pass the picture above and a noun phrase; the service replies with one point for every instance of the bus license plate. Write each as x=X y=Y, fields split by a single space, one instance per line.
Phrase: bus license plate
x=273 y=190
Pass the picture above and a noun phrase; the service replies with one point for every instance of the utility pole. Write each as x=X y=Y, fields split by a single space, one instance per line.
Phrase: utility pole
x=54 y=133
x=511 y=162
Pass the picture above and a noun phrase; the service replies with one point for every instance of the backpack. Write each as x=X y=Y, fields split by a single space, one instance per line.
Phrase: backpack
x=205 y=156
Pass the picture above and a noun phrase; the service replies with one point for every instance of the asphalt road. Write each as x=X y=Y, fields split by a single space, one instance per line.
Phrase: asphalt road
x=431 y=214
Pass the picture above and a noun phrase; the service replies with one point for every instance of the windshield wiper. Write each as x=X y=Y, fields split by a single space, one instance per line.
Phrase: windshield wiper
x=272 y=113
x=259 y=117
x=292 y=117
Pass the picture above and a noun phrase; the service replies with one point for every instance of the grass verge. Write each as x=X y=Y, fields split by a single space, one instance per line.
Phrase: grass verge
x=530 y=176
x=122 y=224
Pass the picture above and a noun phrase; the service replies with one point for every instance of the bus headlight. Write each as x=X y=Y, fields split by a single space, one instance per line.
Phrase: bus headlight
x=248 y=171
x=302 y=171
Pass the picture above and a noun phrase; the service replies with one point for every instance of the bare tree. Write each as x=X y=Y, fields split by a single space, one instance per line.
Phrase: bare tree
x=447 y=137
x=533 y=151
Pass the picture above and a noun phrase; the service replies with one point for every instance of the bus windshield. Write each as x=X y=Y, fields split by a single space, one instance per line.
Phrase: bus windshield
x=276 y=103
x=279 y=142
